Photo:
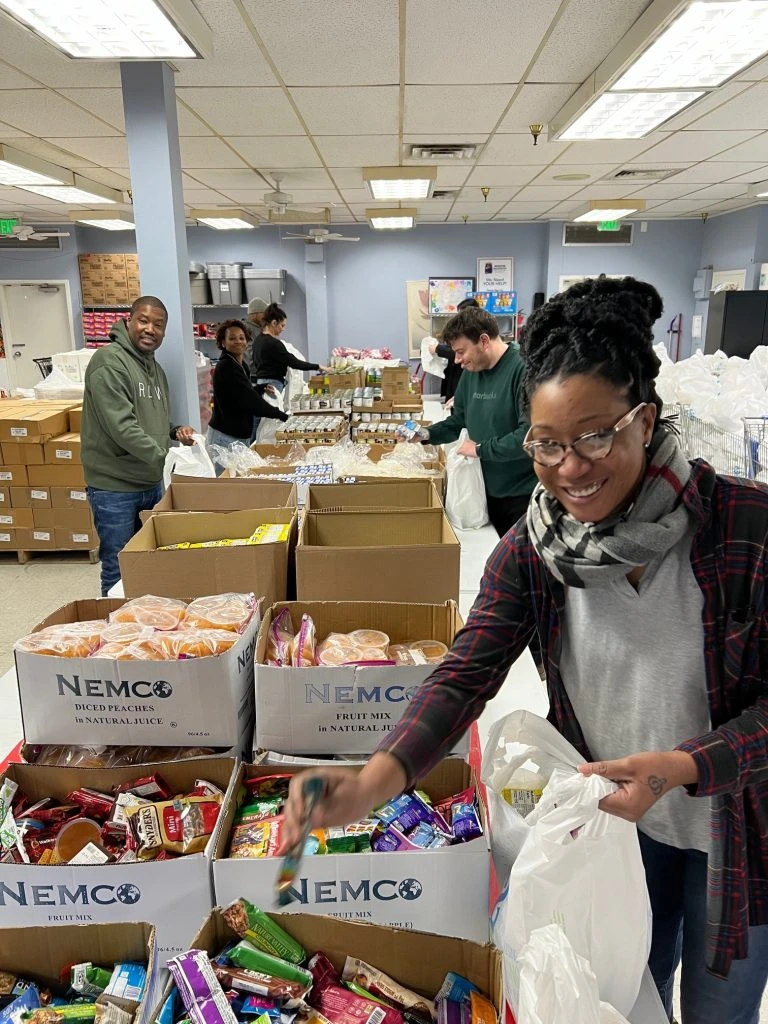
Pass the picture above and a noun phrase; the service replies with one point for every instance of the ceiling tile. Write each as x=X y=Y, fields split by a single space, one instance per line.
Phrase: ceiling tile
x=754 y=172
x=280 y=151
x=488 y=208
x=459 y=42
x=716 y=171
x=208 y=153
x=312 y=197
x=297 y=177
x=364 y=150
x=310 y=43
x=7 y=132
x=202 y=196
x=114 y=179
x=519 y=149
x=472 y=193
x=564 y=211
x=104 y=103
x=48 y=115
x=756 y=149
x=348 y=177
x=473 y=215
x=527 y=207
x=109 y=151
x=604 y=151
x=720 y=192
x=359 y=196
x=595 y=172
x=451 y=108
x=10 y=78
x=452 y=175
x=535 y=104
x=707 y=107
x=500 y=175
x=242 y=178
x=189 y=123
x=347 y=111
x=756 y=73
x=22 y=49
x=255 y=111
x=685 y=206
x=661 y=190
x=607 y=190
x=548 y=193
x=236 y=60
x=693 y=145
x=749 y=109
x=584 y=37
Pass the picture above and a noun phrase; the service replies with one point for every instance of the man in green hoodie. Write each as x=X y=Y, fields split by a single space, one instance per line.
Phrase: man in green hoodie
x=126 y=430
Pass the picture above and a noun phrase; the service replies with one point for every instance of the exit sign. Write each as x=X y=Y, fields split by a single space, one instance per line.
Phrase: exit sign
x=608 y=225
x=7 y=226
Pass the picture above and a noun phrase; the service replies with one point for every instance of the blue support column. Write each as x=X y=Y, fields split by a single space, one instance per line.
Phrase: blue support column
x=151 y=125
x=316 y=290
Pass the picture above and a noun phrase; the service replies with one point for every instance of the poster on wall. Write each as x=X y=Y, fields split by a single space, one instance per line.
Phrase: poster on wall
x=494 y=274
x=417 y=305
x=445 y=294
x=498 y=303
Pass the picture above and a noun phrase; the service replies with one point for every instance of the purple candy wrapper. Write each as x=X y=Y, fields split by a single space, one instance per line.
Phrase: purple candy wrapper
x=451 y=1012
x=405 y=812
x=433 y=817
x=200 y=991
x=258 y=1005
x=427 y=837
x=466 y=823
x=390 y=839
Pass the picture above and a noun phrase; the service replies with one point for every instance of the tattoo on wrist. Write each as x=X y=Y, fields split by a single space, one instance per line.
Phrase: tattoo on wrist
x=656 y=785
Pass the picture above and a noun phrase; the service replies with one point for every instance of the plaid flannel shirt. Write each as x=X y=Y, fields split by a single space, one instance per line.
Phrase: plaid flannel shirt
x=518 y=595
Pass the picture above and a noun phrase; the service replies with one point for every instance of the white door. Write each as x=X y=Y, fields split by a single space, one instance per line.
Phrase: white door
x=36 y=323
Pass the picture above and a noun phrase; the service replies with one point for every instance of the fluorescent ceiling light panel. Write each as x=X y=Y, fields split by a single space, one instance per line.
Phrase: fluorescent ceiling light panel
x=116 y=29
x=109 y=220
x=391 y=220
x=759 y=190
x=82 y=192
x=627 y=115
x=396 y=183
x=18 y=168
x=609 y=209
x=225 y=220
x=705 y=46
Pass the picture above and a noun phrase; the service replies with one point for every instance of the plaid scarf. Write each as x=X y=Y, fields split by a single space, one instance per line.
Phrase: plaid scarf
x=593 y=554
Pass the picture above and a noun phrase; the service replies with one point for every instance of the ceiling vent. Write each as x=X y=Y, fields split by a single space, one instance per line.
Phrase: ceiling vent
x=642 y=174
x=441 y=153
x=446 y=193
x=14 y=244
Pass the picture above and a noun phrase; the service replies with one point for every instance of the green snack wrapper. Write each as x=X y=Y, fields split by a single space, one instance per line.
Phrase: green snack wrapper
x=256 y=927
x=89 y=980
x=365 y=994
x=339 y=840
x=245 y=955
x=73 y=1013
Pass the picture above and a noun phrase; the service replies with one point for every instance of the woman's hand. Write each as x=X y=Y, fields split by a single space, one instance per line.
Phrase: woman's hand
x=642 y=780
x=432 y=347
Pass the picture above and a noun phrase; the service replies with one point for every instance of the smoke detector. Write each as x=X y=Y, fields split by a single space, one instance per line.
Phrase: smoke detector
x=440 y=153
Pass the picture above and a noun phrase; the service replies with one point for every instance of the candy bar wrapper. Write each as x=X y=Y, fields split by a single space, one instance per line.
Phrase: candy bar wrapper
x=72 y=1013
x=269 y=786
x=204 y=788
x=28 y=1000
x=341 y=1006
x=127 y=981
x=483 y=1011
x=404 y=812
x=466 y=822
x=381 y=985
x=8 y=790
x=254 y=925
x=246 y=955
x=260 y=839
x=92 y=803
x=259 y=810
x=111 y=1013
x=88 y=980
x=445 y=807
x=390 y=840
x=449 y=1011
x=426 y=837
x=258 y=984
x=258 y=1006
x=455 y=987
x=51 y=815
x=199 y=988
x=153 y=787
x=183 y=825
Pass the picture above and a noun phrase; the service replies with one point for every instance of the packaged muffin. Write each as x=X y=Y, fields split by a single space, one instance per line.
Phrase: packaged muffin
x=158 y=612
x=220 y=611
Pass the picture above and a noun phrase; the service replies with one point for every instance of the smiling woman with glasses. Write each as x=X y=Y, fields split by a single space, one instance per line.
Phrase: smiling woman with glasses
x=644 y=576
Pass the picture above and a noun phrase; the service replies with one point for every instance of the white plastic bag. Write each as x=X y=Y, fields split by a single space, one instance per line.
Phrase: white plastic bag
x=188 y=460
x=465 y=504
x=267 y=430
x=557 y=986
x=433 y=364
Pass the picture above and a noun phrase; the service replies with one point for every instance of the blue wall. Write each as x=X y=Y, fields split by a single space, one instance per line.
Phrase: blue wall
x=54 y=265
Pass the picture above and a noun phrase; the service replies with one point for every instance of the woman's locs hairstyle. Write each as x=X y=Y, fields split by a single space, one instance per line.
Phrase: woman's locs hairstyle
x=598 y=327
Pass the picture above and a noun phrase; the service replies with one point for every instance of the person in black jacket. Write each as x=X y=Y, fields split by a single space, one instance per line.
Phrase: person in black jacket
x=235 y=401
x=452 y=370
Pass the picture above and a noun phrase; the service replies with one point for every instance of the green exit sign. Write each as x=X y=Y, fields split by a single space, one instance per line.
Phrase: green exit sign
x=608 y=225
x=7 y=226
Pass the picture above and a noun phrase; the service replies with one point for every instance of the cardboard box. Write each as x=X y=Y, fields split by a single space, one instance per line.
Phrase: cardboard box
x=30 y=497
x=17 y=454
x=90 y=261
x=78 y=519
x=443 y=891
x=260 y=568
x=398 y=555
x=345 y=710
x=76 y=540
x=92 y=294
x=8 y=540
x=408 y=494
x=16 y=519
x=224 y=494
x=69 y=497
x=5 y=497
x=34 y=950
x=75 y=419
x=63 y=450
x=174 y=895
x=57 y=476
x=198 y=702
x=34 y=425
x=35 y=540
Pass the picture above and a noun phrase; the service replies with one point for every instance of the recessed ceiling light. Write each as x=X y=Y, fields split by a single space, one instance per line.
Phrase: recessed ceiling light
x=225 y=220
x=82 y=192
x=627 y=115
x=570 y=177
x=108 y=220
x=758 y=190
x=396 y=183
x=609 y=209
x=397 y=219
x=99 y=29
x=18 y=168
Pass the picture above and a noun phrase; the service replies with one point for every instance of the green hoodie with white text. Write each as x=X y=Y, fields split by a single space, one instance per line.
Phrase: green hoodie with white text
x=126 y=429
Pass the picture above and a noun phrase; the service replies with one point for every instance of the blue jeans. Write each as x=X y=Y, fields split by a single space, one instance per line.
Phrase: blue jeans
x=260 y=382
x=222 y=440
x=677 y=886
x=116 y=515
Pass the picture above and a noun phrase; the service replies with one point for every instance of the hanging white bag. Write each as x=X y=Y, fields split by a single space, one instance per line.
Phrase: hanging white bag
x=581 y=868
x=432 y=363
x=465 y=504
x=188 y=460
x=267 y=430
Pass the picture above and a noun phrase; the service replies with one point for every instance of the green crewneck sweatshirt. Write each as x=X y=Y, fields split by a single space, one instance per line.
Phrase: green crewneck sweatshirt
x=489 y=404
x=125 y=430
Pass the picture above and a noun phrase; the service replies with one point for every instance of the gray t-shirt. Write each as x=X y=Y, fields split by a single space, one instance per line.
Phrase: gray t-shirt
x=633 y=667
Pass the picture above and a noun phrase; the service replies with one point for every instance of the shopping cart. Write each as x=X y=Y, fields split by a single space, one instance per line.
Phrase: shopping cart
x=741 y=453
x=44 y=365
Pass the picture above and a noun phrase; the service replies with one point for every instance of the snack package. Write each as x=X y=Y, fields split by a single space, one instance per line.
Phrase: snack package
x=303 y=645
x=258 y=984
x=340 y=1005
x=220 y=611
x=183 y=825
x=380 y=984
x=270 y=533
x=456 y=988
x=198 y=643
x=158 y=612
x=64 y=641
x=249 y=958
x=199 y=988
x=254 y=925
x=279 y=639
x=268 y=786
x=257 y=839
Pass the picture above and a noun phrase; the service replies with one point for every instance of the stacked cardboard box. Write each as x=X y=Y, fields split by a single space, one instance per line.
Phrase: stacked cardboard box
x=109 y=278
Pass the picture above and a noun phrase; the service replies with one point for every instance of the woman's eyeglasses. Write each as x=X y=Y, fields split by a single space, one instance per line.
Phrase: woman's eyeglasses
x=593 y=446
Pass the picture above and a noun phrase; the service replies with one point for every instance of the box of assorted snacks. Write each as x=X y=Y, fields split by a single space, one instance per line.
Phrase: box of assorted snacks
x=118 y=844
x=333 y=677
x=84 y=974
x=421 y=861
x=199 y=494
x=152 y=670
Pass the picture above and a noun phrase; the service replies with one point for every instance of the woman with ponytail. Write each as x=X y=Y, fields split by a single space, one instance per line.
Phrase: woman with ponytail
x=644 y=575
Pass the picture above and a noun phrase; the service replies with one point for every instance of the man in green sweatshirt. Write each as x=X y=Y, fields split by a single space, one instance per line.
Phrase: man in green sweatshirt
x=489 y=404
x=126 y=430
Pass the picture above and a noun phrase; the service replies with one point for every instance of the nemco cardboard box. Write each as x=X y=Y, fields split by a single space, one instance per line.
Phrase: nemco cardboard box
x=259 y=568
x=442 y=891
x=397 y=555
x=46 y=955
x=346 y=709
x=191 y=494
x=174 y=895
x=197 y=702
x=407 y=494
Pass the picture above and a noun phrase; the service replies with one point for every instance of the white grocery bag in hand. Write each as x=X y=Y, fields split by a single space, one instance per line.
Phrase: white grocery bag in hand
x=465 y=502
x=188 y=460
x=434 y=364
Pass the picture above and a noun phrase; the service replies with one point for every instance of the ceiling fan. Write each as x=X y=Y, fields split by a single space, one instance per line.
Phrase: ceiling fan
x=26 y=233
x=280 y=204
x=322 y=235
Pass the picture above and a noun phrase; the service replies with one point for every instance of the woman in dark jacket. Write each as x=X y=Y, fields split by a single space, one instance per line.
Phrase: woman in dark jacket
x=235 y=402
